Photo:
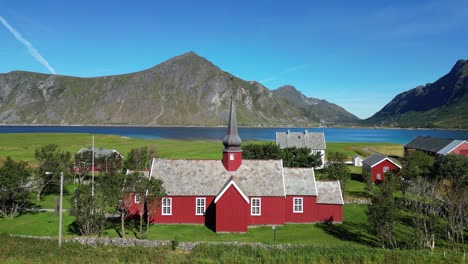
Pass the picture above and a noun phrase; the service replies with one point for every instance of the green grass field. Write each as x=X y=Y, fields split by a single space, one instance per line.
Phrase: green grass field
x=21 y=146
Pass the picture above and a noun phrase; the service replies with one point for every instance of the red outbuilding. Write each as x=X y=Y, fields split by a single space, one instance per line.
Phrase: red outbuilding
x=232 y=194
x=376 y=165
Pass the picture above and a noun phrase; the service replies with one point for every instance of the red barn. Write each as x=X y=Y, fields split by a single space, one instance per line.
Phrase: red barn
x=376 y=165
x=437 y=146
x=231 y=194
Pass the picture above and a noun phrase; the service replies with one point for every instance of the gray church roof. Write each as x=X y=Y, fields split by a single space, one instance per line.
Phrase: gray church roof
x=299 y=181
x=312 y=140
x=207 y=177
x=254 y=178
x=329 y=192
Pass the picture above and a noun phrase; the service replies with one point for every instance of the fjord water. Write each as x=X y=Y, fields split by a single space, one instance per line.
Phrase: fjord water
x=399 y=136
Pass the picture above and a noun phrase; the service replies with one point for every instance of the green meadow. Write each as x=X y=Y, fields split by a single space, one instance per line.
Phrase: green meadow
x=313 y=243
x=21 y=146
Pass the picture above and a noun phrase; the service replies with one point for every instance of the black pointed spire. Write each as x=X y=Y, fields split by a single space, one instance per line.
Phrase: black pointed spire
x=232 y=141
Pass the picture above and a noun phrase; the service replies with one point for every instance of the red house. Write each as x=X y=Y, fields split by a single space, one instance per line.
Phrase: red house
x=437 y=146
x=232 y=194
x=376 y=165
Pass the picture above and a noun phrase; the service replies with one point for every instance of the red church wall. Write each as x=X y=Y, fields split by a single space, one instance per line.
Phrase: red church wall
x=272 y=211
x=309 y=210
x=329 y=212
x=461 y=150
x=231 y=212
x=232 y=160
x=378 y=169
x=183 y=211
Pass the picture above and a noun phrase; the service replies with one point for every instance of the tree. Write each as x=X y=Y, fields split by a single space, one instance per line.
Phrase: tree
x=301 y=157
x=154 y=192
x=140 y=158
x=89 y=210
x=415 y=164
x=14 y=187
x=382 y=213
x=453 y=171
x=261 y=151
x=337 y=169
x=425 y=206
x=50 y=159
x=292 y=157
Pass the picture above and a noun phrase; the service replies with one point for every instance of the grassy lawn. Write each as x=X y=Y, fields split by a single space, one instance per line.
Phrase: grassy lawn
x=360 y=148
x=49 y=201
x=22 y=145
x=46 y=224
x=36 y=224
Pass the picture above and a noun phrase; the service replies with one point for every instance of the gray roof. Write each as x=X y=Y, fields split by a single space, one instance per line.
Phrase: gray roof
x=449 y=147
x=208 y=177
x=376 y=158
x=429 y=144
x=98 y=152
x=299 y=181
x=312 y=140
x=232 y=141
x=329 y=192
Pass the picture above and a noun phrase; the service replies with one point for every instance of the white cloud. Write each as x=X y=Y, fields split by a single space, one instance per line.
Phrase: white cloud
x=33 y=51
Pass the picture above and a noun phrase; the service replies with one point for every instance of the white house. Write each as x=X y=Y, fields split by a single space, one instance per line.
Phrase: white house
x=357 y=161
x=313 y=140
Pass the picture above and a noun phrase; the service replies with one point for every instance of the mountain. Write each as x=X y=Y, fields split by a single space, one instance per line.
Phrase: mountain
x=442 y=104
x=316 y=108
x=184 y=90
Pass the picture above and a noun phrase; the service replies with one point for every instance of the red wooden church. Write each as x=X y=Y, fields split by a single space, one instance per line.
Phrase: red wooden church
x=231 y=194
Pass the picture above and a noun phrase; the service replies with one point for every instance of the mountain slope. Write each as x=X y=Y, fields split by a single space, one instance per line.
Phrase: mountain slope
x=316 y=108
x=185 y=90
x=443 y=103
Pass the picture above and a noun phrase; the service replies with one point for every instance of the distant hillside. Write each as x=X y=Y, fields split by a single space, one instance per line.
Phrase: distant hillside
x=185 y=90
x=442 y=104
x=316 y=108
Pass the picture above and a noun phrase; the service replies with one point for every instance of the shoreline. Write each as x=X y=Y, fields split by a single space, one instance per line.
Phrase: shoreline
x=224 y=126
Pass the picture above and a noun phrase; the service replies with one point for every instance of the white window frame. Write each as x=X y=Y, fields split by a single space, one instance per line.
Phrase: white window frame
x=378 y=177
x=231 y=156
x=166 y=206
x=200 y=207
x=300 y=203
x=137 y=199
x=254 y=206
x=385 y=169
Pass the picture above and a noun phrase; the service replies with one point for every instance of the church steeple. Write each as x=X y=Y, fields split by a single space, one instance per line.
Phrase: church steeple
x=232 y=153
x=232 y=141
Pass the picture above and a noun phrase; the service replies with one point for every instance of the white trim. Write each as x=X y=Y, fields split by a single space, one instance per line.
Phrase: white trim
x=315 y=182
x=464 y=141
x=282 y=174
x=341 y=194
x=166 y=206
x=375 y=164
x=135 y=198
x=196 y=205
x=259 y=206
x=227 y=187
x=302 y=204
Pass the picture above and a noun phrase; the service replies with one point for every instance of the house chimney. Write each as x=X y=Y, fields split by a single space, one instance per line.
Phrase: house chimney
x=232 y=153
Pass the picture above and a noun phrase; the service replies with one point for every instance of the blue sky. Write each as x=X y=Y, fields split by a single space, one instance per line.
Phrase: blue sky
x=357 y=54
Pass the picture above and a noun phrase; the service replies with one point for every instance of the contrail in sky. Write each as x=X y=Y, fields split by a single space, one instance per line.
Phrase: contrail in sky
x=28 y=45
